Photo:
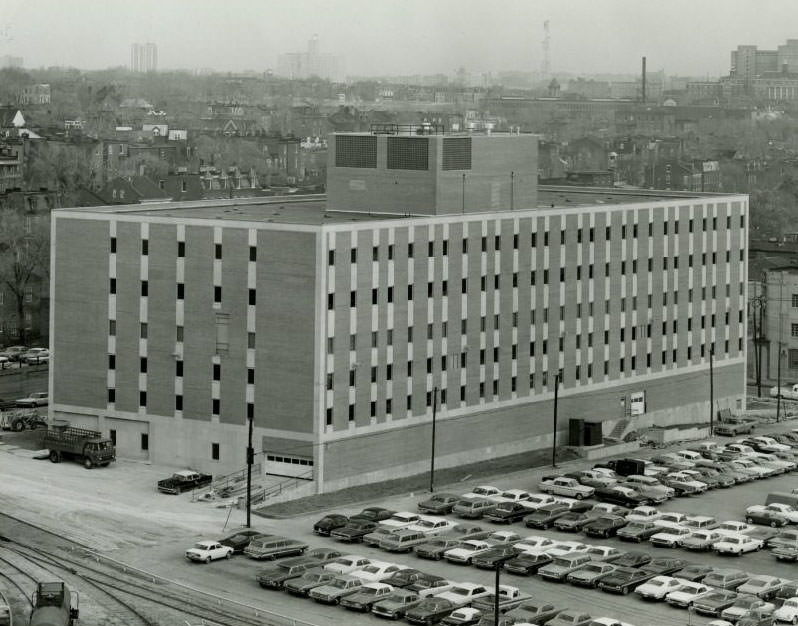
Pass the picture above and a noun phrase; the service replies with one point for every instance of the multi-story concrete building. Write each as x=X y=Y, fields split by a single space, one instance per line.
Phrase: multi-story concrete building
x=434 y=280
x=780 y=328
x=143 y=57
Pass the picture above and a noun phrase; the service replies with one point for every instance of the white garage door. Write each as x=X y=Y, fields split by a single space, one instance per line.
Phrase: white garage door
x=296 y=466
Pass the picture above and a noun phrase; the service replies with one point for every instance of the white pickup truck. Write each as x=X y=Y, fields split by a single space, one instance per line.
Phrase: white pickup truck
x=790 y=392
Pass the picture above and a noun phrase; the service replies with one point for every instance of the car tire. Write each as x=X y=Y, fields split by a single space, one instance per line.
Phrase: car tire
x=579 y=496
x=625 y=591
x=207 y=559
x=55 y=456
x=773 y=523
x=18 y=426
x=795 y=619
x=87 y=463
x=229 y=555
x=749 y=520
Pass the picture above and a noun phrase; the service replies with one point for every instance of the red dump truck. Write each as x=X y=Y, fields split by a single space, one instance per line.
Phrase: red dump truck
x=88 y=446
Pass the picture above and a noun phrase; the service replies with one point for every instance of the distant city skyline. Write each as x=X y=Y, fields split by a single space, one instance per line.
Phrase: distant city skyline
x=379 y=37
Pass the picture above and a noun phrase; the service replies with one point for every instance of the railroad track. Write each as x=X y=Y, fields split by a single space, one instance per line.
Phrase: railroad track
x=112 y=595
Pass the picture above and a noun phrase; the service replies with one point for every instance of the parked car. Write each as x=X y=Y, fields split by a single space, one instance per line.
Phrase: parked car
x=207 y=551
x=429 y=611
x=513 y=495
x=433 y=526
x=354 y=531
x=607 y=554
x=400 y=519
x=435 y=548
x=274 y=577
x=376 y=571
x=649 y=487
x=396 y=604
x=526 y=563
x=563 y=565
x=333 y=591
x=589 y=574
x=769 y=517
x=34 y=356
x=403 y=577
x=620 y=495
x=483 y=491
x=240 y=540
x=365 y=597
x=374 y=537
x=466 y=551
x=569 y=487
x=570 y=617
x=273 y=547
x=38 y=398
x=745 y=603
x=473 y=508
x=716 y=602
x=787 y=612
x=12 y=353
x=346 y=563
x=593 y=478
x=604 y=526
x=658 y=587
x=663 y=566
x=301 y=586
x=633 y=558
x=533 y=611
x=546 y=516
x=700 y=540
x=403 y=540
x=507 y=512
x=723 y=578
x=329 y=523
x=734 y=426
x=694 y=571
x=430 y=584
x=762 y=586
x=497 y=554
x=688 y=594
x=623 y=579
x=638 y=531
x=373 y=514
x=322 y=555
x=438 y=503
x=739 y=544
x=463 y=594
x=669 y=537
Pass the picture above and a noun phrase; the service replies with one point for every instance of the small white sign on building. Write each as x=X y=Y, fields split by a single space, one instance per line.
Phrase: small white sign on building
x=637 y=401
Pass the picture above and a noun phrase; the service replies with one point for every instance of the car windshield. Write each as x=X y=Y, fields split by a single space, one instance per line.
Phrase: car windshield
x=481 y=491
x=756 y=583
x=339 y=584
x=426 y=524
x=371 y=591
x=657 y=582
x=343 y=561
x=461 y=591
x=637 y=526
x=506 y=506
x=745 y=602
x=593 y=568
x=372 y=569
x=201 y=546
x=313 y=578
x=561 y=562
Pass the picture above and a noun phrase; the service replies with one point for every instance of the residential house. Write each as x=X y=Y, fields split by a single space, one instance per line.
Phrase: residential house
x=132 y=190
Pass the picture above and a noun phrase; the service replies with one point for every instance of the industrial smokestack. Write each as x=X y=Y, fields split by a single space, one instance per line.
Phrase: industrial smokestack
x=644 y=80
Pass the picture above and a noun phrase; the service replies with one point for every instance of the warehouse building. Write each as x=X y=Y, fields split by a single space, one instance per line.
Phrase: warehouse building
x=434 y=273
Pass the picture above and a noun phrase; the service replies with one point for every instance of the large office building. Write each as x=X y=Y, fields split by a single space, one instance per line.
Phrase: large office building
x=435 y=278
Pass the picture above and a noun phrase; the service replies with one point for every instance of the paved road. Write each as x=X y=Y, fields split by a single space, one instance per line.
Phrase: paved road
x=18 y=382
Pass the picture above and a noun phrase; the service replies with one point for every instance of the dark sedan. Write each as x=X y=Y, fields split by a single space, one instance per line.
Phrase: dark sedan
x=533 y=612
x=330 y=522
x=663 y=566
x=633 y=558
x=240 y=540
x=715 y=602
x=526 y=563
x=429 y=611
x=354 y=531
x=435 y=548
x=572 y=522
x=693 y=572
x=404 y=577
x=622 y=496
x=322 y=555
x=623 y=580
x=438 y=504
x=638 y=531
x=767 y=517
x=373 y=514
x=507 y=512
x=755 y=618
x=545 y=516
x=489 y=559
x=604 y=526
x=301 y=586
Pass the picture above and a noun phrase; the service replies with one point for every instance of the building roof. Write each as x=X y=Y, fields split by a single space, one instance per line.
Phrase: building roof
x=312 y=210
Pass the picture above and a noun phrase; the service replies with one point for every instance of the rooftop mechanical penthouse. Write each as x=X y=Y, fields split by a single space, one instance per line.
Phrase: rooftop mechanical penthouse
x=331 y=321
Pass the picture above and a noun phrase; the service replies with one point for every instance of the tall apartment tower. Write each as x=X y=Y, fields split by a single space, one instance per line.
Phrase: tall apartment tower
x=143 y=57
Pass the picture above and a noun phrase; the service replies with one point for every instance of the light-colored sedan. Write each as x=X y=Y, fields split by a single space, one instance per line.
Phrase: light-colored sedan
x=569 y=487
x=737 y=544
x=689 y=593
x=207 y=551
x=484 y=491
x=733 y=528
x=433 y=526
x=787 y=612
x=376 y=571
x=401 y=519
x=467 y=551
x=347 y=563
x=745 y=603
x=643 y=514
x=659 y=587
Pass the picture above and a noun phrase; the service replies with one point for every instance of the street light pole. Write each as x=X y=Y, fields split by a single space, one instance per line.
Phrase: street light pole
x=464 y=193
x=512 y=191
x=250 y=460
x=778 y=383
x=432 y=456
x=711 y=391
x=554 y=431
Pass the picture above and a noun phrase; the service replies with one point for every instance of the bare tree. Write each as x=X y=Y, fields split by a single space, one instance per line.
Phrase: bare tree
x=24 y=257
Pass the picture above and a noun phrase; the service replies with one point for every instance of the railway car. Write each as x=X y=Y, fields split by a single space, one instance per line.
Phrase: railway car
x=6 y=616
x=54 y=605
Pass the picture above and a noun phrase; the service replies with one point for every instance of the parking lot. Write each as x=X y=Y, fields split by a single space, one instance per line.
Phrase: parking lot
x=156 y=529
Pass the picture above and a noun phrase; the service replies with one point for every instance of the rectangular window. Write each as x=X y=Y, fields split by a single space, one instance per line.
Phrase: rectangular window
x=215 y=406
x=217 y=371
x=143 y=364
x=374 y=296
x=181 y=293
x=251 y=341
x=253 y=254
x=330 y=301
x=145 y=442
x=142 y=398
x=113 y=245
x=430 y=248
x=217 y=294
x=178 y=403
x=178 y=333
x=178 y=368
x=112 y=286
x=353 y=255
x=374 y=339
x=534 y=239
x=144 y=288
x=145 y=247
x=217 y=251
x=375 y=254
x=111 y=361
x=390 y=252
x=465 y=246
x=215 y=451
x=410 y=251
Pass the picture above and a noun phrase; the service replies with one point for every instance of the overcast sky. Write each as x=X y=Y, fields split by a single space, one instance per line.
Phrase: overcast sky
x=390 y=37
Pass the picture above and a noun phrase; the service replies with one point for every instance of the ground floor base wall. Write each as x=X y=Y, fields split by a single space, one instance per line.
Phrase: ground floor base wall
x=388 y=454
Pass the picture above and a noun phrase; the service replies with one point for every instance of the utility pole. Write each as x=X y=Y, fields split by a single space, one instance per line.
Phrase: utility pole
x=778 y=384
x=554 y=431
x=464 y=193
x=432 y=456
x=711 y=391
x=250 y=460
x=512 y=191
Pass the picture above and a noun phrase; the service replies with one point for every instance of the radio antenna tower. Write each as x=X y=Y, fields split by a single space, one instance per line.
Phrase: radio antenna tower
x=545 y=66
